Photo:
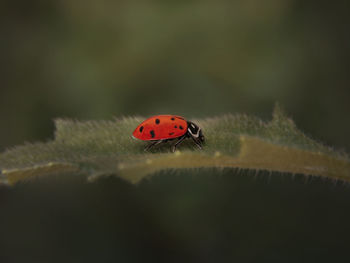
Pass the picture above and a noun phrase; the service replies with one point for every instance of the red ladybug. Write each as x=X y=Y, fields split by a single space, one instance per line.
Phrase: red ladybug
x=163 y=128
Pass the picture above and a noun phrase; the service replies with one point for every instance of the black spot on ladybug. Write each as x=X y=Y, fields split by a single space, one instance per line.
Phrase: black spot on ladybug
x=172 y=118
x=141 y=129
x=181 y=128
x=175 y=126
x=171 y=133
x=157 y=121
x=152 y=133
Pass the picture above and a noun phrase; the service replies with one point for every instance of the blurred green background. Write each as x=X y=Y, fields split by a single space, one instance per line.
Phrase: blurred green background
x=100 y=59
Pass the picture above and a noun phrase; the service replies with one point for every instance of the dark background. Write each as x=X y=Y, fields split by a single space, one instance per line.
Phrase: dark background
x=176 y=217
x=100 y=59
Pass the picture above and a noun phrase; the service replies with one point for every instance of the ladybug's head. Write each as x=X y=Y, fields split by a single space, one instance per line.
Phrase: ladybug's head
x=195 y=132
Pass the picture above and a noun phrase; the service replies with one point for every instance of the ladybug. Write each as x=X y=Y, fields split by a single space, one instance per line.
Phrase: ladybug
x=163 y=128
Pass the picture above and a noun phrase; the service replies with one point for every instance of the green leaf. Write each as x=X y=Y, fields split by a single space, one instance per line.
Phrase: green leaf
x=101 y=148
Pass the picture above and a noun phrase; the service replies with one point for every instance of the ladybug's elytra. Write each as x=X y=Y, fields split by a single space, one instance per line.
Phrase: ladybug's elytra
x=163 y=128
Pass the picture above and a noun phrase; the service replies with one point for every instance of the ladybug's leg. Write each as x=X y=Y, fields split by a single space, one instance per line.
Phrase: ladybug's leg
x=152 y=144
x=173 y=148
x=197 y=142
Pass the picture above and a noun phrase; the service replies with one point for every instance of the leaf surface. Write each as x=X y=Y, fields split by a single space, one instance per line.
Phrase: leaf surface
x=103 y=148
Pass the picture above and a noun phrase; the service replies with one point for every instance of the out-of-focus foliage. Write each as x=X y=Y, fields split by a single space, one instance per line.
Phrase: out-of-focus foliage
x=98 y=59
x=106 y=148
